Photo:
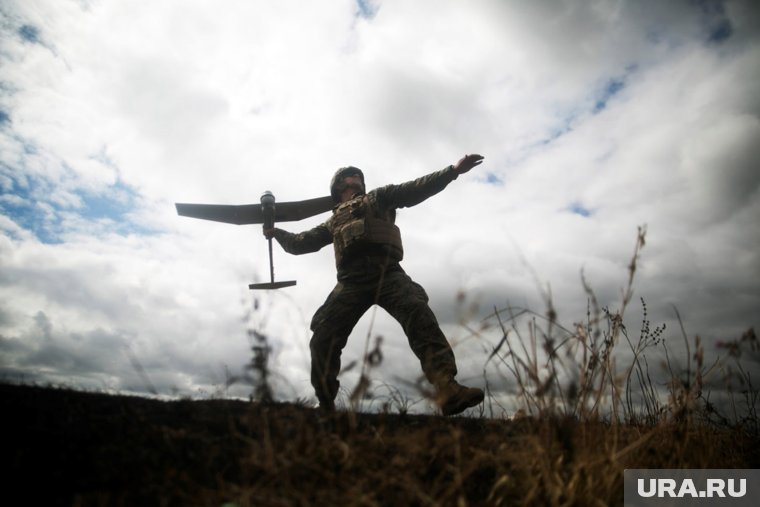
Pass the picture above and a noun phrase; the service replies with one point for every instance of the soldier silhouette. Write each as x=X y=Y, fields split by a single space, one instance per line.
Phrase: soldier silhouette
x=368 y=251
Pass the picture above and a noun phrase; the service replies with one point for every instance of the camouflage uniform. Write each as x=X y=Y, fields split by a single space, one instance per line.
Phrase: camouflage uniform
x=367 y=253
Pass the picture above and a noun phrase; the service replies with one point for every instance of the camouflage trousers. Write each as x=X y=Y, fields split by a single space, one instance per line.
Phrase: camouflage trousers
x=404 y=300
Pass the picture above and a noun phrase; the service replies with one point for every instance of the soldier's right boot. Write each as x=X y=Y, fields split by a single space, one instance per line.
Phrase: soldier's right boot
x=454 y=398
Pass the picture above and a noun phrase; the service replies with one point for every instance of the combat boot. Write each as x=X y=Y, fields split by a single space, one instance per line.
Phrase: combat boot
x=326 y=405
x=454 y=398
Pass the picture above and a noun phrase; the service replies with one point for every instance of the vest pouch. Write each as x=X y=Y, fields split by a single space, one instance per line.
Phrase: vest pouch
x=352 y=232
x=387 y=234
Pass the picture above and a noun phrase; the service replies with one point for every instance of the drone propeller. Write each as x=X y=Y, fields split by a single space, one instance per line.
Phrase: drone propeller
x=265 y=213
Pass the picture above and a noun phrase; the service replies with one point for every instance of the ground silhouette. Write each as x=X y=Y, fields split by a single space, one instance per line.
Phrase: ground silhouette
x=67 y=447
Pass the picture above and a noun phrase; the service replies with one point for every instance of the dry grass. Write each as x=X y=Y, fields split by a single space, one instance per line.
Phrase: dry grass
x=587 y=412
x=96 y=449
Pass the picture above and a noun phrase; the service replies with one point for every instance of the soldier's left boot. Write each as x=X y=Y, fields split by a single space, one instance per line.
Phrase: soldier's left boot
x=454 y=398
x=326 y=404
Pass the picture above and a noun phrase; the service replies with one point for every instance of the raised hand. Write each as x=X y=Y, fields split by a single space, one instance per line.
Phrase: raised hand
x=468 y=162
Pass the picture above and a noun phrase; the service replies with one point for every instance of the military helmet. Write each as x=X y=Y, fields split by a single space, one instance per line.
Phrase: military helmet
x=338 y=178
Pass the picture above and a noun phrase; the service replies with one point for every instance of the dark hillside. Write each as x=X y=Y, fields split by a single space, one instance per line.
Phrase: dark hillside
x=64 y=447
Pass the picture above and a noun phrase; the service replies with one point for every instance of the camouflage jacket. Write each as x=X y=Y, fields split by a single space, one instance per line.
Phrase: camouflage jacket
x=379 y=205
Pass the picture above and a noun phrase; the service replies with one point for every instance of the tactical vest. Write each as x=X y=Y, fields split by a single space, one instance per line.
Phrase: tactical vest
x=358 y=228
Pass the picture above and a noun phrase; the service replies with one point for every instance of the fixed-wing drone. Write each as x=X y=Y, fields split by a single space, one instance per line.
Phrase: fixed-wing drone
x=266 y=213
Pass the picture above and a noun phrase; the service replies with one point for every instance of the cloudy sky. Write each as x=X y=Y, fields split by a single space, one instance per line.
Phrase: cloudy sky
x=594 y=118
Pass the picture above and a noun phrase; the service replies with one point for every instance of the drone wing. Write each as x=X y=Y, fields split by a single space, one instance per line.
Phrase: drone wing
x=253 y=213
x=298 y=210
x=243 y=214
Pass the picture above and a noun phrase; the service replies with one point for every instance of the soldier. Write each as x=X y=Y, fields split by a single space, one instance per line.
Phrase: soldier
x=368 y=250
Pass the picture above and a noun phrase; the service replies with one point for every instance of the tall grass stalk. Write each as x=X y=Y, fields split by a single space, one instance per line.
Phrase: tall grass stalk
x=595 y=369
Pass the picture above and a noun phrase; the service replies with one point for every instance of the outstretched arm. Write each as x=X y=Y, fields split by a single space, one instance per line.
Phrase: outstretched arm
x=304 y=242
x=415 y=191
